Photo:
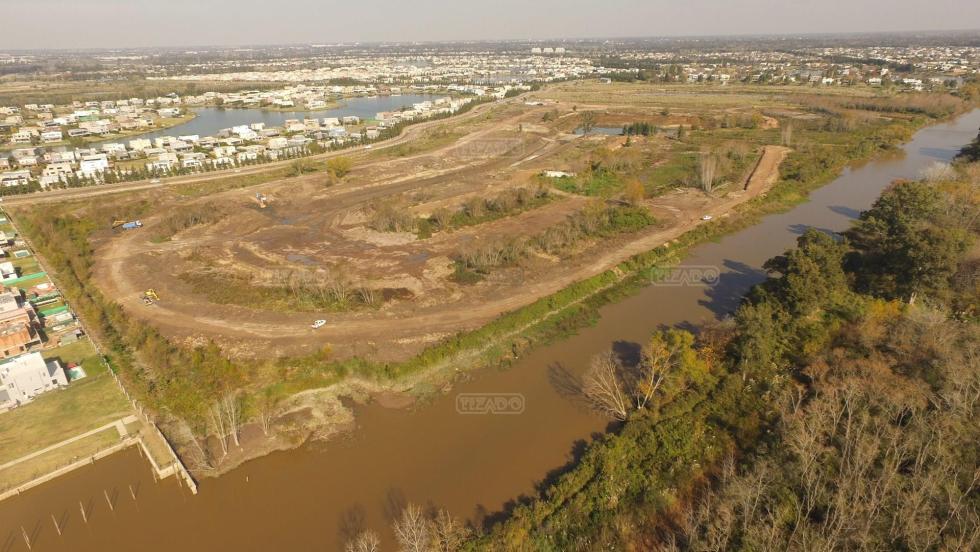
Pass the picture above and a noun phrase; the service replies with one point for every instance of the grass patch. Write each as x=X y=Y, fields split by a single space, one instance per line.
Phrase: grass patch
x=598 y=183
x=81 y=352
x=52 y=460
x=61 y=414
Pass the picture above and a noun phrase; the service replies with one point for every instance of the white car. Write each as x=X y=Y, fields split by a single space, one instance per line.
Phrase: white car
x=317 y=324
x=155 y=181
x=706 y=217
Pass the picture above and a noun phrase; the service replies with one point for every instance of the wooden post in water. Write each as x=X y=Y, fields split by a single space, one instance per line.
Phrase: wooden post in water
x=82 y=508
x=105 y=493
x=27 y=540
x=56 y=526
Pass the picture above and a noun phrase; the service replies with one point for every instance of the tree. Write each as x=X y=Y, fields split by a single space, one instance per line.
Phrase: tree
x=231 y=405
x=971 y=152
x=657 y=362
x=340 y=166
x=412 y=530
x=634 y=192
x=588 y=122
x=367 y=541
x=605 y=388
x=448 y=535
x=707 y=169
x=938 y=172
x=903 y=246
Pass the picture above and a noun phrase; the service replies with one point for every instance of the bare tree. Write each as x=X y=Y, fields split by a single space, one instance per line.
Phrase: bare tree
x=938 y=172
x=216 y=420
x=657 y=362
x=412 y=530
x=603 y=385
x=588 y=122
x=707 y=169
x=367 y=541
x=448 y=534
x=231 y=405
x=267 y=411
x=787 y=133
x=196 y=457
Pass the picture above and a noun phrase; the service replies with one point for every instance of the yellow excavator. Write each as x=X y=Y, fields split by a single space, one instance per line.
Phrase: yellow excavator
x=150 y=296
x=261 y=200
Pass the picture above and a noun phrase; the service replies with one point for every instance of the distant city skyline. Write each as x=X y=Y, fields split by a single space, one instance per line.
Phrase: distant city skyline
x=139 y=23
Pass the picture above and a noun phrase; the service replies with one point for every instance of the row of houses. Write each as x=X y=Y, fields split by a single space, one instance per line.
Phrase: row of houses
x=229 y=147
x=32 y=314
x=48 y=124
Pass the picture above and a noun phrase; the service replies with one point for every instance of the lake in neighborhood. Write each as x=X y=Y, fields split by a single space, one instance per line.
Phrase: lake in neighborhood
x=210 y=120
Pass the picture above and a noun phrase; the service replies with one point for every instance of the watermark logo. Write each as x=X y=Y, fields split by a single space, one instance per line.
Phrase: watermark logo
x=490 y=403
x=489 y=147
x=685 y=276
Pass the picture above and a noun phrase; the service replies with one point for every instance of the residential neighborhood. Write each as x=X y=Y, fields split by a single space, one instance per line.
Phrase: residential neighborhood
x=40 y=166
x=34 y=318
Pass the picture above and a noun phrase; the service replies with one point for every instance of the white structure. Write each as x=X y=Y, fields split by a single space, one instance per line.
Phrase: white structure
x=24 y=377
x=558 y=174
x=93 y=164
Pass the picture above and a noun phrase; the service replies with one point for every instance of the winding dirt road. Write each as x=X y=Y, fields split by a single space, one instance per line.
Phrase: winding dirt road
x=394 y=333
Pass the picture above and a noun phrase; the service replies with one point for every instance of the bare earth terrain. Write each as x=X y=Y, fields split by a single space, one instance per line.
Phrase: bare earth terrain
x=311 y=229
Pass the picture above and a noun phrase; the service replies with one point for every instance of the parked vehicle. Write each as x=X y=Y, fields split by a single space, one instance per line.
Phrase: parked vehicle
x=317 y=324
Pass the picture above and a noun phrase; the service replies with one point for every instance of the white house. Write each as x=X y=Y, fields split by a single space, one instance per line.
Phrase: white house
x=140 y=144
x=163 y=162
x=15 y=178
x=278 y=143
x=52 y=136
x=26 y=376
x=7 y=271
x=244 y=132
x=115 y=149
x=21 y=137
x=93 y=164
x=223 y=151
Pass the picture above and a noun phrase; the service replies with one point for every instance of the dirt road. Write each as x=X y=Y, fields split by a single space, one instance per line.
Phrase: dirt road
x=130 y=264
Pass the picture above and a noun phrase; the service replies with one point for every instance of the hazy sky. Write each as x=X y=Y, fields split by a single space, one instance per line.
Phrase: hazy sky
x=126 y=23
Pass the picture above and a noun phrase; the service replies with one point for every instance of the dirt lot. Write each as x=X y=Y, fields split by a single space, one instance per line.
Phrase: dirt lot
x=206 y=275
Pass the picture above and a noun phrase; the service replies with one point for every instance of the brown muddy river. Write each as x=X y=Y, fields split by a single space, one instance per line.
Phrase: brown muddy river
x=314 y=497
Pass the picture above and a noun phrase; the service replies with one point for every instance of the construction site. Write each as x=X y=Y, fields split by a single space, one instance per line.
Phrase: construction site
x=470 y=219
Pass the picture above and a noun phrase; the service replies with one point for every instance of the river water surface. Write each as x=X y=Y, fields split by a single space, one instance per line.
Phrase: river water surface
x=312 y=498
